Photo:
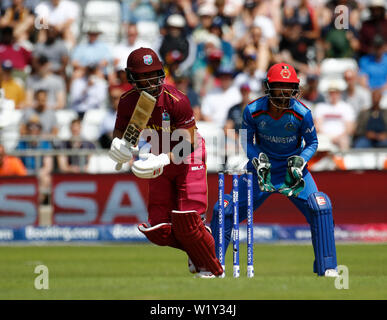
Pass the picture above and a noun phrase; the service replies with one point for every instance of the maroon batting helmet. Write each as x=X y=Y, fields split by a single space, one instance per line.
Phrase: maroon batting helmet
x=140 y=64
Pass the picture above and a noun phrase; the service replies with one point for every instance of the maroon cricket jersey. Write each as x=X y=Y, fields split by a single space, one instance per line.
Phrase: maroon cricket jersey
x=172 y=111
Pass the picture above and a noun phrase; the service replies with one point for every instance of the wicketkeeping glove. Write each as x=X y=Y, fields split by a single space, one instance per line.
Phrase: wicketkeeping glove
x=262 y=165
x=150 y=166
x=294 y=183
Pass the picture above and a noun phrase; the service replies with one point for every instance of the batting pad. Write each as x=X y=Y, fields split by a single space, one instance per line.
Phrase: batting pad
x=197 y=241
x=322 y=229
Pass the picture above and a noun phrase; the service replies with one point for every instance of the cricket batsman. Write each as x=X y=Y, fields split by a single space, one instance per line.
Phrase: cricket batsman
x=176 y=176
x=281 y=139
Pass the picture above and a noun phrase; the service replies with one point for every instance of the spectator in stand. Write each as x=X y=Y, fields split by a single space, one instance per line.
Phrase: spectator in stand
x=244 y=22
x=335 y=118
x=176 y=40
x=54 y=48
x=294 y=48
x=74 y=163
x=107 y=126
x=206 y=13
x=375 y=25
x=310 y=93
x=120 y=81
x=13 y=89
x=41 y=165
x=183 y=83
x=167 y=8
x=268 y=18
x=254 y=58
x=10 y=50
x=134 y=11
x=124 y=48
x=10 y=166
x=88 y=92
x=356 y=95
x=209 y=58
x=373 y=66
x=305 y=14
x=29 y=4
x=235 y=114
x=63 y=14
x=40 y=110
x=338 y=42
x=371 y=129
x=45 y=79
x=217 y=103
x=18 y=17
x=217 y=26
x=93 y=52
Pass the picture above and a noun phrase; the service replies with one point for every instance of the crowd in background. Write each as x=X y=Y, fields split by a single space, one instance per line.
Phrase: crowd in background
x=216 y=51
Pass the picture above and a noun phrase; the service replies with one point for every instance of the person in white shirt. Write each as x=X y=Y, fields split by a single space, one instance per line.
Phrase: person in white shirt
x=217 y=103
x=335 y=118
x=124 y=48
x=62 y=14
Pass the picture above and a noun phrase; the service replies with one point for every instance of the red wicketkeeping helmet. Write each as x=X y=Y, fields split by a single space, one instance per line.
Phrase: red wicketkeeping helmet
x=282 y=73
x=145 y=60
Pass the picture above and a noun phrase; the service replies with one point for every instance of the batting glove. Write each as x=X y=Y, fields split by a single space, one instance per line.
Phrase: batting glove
x=294 y=183
x=121 y=152
x=263 y=165
x=150 y=166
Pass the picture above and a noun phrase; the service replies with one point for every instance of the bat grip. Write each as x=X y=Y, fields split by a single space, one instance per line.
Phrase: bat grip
x=118 y=166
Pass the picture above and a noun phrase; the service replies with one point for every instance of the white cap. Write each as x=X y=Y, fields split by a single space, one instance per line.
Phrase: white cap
x=377 y=3
x=176 y=20
x=336 y=85
x=207 y=9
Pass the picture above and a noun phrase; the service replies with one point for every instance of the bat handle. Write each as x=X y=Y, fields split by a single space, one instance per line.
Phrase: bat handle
x=118 y=166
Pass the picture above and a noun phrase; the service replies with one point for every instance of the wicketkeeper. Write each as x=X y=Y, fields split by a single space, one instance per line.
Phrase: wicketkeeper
x=281 y=139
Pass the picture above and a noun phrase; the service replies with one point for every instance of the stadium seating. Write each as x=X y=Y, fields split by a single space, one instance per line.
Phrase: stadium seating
x=107 y=16
x=91 y=124
x=9 y=128
x=64 y=118
x=148 y=31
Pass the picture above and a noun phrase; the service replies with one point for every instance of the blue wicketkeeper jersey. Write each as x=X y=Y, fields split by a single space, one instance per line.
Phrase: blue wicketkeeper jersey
x=293 y=133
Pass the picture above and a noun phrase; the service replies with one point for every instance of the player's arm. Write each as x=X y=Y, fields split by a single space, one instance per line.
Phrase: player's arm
x=294 y=182
x=248 y=135
x=308 y=131
x=259 y=159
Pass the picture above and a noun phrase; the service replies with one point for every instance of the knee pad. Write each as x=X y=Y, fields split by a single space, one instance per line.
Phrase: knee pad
x=160 y=234
x=322 y=229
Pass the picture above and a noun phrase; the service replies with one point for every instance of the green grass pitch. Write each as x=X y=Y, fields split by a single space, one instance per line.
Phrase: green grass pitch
x=144 y=271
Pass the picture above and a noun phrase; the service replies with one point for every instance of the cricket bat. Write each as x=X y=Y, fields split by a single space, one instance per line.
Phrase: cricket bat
x=140 y=117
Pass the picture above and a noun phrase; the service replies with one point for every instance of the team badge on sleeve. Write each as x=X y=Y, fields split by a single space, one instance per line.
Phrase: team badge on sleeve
x=148 y=59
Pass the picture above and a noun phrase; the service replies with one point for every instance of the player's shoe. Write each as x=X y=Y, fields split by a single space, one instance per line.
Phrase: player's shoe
x=205 y=275
x=191 y=266
x=331 y=273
